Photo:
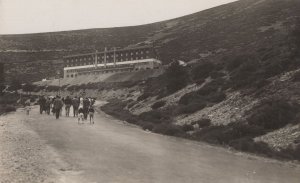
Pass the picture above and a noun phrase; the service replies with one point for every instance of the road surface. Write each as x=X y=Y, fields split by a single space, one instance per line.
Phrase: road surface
x=50 y=150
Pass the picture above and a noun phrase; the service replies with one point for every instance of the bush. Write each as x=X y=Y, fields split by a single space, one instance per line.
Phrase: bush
x=9 y=99
x=143 y=96
x=176 y=78
x=247 y=144
x=53 y=88
x=168 y=129
x=291 y=152
x=158 y=104
x=200 y=81
x=146 y=125
x=187 y=127
x=213 y=134
x=204 y=123
x=202 y=70
x=9 y=108
x=273 y=114
x=210 y=92
x=296 y=77
x=216 y=74
x=155 y=117
x=225 y=134
x=190 y=108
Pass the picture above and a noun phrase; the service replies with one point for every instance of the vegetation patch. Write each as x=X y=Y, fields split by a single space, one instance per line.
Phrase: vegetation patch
x=158 y=104
x=274 y=114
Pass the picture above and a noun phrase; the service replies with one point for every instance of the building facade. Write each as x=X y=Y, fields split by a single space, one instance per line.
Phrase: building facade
x=122 y=60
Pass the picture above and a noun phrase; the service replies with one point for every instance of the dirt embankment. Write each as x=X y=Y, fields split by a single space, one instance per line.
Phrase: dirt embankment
x=24 y=157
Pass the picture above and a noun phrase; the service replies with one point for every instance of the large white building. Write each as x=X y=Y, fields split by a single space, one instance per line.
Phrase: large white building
x=123 y=60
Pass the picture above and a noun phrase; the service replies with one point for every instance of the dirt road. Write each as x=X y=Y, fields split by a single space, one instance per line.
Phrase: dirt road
x=38 y=148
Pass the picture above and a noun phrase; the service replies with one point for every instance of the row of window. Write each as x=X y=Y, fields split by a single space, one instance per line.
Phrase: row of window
x=107 y=67
x=108 y=56
x=107 y=61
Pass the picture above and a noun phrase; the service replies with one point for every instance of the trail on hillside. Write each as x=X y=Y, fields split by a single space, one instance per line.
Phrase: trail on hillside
x=38 y=148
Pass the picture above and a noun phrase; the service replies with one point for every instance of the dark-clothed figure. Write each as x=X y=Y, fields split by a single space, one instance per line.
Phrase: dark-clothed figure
x=42 y=102
x=75 y=104
x=57 y=105
x=91 y=114
x=68 y=103
x=48 y=106
x=86 y=105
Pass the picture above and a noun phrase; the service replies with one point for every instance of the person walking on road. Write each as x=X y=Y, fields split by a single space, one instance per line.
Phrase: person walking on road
x=57 y=105
x=80 y=115
x=48 y=106
x=27 y=107
x=42 y=102
x=91 y=114
x=86 y=105
x=75 y=104
x=68 y=103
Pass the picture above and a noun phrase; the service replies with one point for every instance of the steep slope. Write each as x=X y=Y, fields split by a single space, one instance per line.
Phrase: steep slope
x=255 y=27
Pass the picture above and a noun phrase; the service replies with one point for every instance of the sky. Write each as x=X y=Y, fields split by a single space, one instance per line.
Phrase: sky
x=33 y=16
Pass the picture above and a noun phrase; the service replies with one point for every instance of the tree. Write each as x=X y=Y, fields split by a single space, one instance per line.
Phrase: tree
x=176 y=77
x=28 y=87
x=15 y=84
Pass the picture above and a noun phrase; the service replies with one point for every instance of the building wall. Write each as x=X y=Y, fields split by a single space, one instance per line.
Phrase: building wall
x=110 y=61
x=111 y=57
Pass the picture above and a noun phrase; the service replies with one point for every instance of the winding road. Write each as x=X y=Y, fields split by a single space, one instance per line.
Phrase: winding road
x=114 y=151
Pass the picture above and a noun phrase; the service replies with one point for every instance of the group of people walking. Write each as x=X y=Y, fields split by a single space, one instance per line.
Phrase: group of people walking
x=82 y=107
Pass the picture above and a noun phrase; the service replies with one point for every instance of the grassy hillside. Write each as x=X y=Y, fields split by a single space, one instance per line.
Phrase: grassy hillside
x=260 y=28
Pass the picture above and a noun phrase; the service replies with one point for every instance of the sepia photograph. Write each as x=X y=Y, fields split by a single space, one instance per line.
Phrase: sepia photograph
x=150 y=91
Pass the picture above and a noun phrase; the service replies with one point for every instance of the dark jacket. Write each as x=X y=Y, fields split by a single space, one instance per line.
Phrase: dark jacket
x=58 y=103
x=68 y=101
x=75 y=102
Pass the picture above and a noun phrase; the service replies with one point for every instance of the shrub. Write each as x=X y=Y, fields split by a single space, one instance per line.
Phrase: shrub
x=187 y=127
x=52 y=88
x=9 y=99
x=291 y=152
x=210 y=92
x=190 y=108
x=296 y=77
x=225 y=134
x=216 y=97
x=202 y=70
x=200 y=81
x=158 y=104
x=168 y=129
x=176 y=78
x=155 y=117
x=9 y=108
x=204 y=123
x=247 y=144
x=146 y=125
x=216 y=74
x=143 y=96
x=273 y=114
x=213 y=134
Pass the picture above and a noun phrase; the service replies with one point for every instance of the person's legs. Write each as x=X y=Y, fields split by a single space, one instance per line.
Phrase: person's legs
x=41 y=109
x=57 y=111
x=76 y=111
x=68 y=111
